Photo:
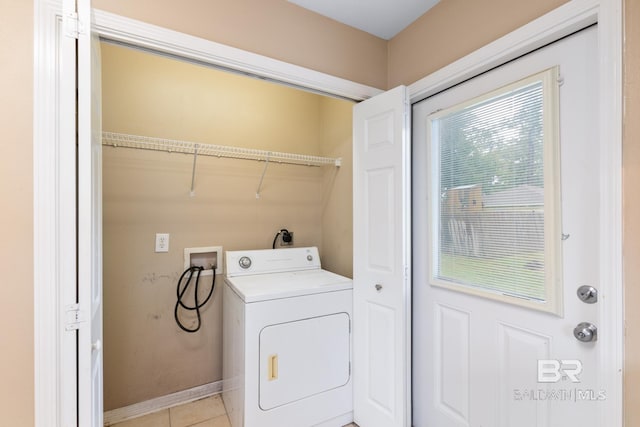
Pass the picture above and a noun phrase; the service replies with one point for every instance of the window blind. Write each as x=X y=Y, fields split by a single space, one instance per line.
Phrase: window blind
x=490 y=202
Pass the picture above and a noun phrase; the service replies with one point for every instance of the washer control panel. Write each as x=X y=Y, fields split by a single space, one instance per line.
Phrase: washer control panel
x=262 y=261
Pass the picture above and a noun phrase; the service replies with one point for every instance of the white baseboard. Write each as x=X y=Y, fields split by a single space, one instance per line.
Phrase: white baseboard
x=343 y=420
x=162 y=402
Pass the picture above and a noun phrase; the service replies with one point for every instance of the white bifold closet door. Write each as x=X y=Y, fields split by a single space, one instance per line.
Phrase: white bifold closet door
x=381 y=264
x=89 y=196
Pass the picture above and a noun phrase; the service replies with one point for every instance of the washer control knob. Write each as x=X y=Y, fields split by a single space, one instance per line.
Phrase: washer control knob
x=309 y=258
x=244 y=262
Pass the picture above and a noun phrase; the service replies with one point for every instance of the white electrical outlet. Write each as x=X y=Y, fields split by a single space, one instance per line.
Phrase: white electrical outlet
x=162 y=242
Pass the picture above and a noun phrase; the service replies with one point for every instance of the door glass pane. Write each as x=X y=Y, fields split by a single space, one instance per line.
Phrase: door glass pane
x=489 y=156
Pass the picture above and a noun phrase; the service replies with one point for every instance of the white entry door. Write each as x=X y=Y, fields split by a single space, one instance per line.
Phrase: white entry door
x=506 y=229
x=89 y=197
x=381 y=264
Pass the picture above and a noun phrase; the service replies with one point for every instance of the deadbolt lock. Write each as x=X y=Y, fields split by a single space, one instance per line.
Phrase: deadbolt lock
x=588 y=294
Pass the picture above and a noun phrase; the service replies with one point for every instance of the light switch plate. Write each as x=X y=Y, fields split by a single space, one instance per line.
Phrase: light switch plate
x=162 y=242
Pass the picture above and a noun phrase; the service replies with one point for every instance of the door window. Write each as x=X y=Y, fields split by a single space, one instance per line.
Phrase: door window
x=494 y=195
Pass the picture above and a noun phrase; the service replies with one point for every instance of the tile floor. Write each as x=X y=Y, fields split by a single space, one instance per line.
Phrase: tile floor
x=207 y=412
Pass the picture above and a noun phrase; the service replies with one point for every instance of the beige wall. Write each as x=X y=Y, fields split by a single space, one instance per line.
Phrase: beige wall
x=631 y=215
x=453 y=29
x=275 y=28
x=146 y=354
x=337 y=201
x=16 y=219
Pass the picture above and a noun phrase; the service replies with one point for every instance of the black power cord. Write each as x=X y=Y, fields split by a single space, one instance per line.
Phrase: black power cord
x=181 y=291
x=286 y=237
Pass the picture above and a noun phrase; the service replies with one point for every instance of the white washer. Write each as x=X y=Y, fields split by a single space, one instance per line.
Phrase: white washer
x=287 y=340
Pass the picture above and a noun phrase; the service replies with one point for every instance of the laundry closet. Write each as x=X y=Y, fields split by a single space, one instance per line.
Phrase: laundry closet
x=202 y=201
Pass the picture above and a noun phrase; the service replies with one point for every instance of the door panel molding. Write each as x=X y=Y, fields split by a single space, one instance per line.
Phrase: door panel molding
x=379 y=186
x=515 y=345
x=380 y=378
x=453 y=329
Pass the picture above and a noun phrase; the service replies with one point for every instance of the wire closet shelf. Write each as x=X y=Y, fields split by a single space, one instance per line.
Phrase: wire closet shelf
x=174 y=146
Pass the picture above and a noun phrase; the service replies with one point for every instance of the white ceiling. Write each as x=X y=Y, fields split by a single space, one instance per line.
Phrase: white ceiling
x=382 y=18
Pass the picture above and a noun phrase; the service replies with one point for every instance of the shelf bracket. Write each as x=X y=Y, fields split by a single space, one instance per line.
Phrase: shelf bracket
x=264 y=171
x=193 y=172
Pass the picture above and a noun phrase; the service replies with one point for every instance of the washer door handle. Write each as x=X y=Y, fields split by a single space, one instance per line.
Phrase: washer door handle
x=272 y=367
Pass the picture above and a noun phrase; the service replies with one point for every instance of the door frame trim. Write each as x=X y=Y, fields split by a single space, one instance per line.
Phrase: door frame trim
x=567 y=19
x=139 y=34
x=53 y=218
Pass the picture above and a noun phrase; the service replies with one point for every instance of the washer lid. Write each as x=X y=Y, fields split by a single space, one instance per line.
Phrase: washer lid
x=269 y=286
